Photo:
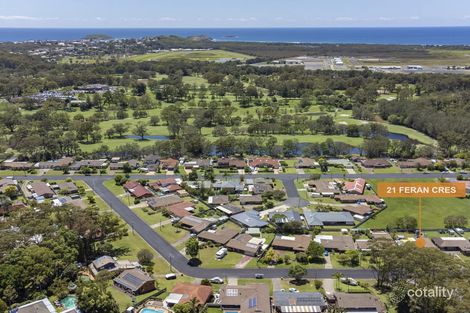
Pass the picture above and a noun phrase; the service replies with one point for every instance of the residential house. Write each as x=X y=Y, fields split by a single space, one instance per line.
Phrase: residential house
x=264 y=162
x=230 y=186
x=137 y=190
x=351 y=198
x=103 y=263
x=336 y=243
x=359 y=211
x=251 y=199
x=306 y=163
x=363 y=244
x=327 y=218
x=323 y=188
x=198 y=163
x=297 y=243
x=59 y=164
x=355 y=187
x=231 y=163
x=415 y=163
x=67 y=187
x=220 y=236
x=251 y=298
x=284 y=217
x=229 y=209
x=163 y=201
x=381 y=235
x=183 y=293
x=39 y=306
x=218 y=200
x=298 y=302
x=96 y=164
x=259 y=189
x=246 y=244
x=6 y=182
x=359 y=302
x=194 y=224
x=169 y=164
x=135 y=282
x=453 y=244
x=249 y=219
x=376 y=163
x=116 y=166
x=340 y=163
x=42 y=189
x=16 y=166
x=181 y=209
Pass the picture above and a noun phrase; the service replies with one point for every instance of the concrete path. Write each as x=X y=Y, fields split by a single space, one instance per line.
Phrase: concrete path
x=329 y=285
x=244 y=261
x=328 y=263
x=276 y=284
x=163 y=223
x=232 y=281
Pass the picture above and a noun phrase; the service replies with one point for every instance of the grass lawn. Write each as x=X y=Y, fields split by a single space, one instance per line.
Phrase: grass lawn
x=305 y=286
x=341 y=287
x=209 y=55
x=171 y=233
x=150 y=219
x=207 y=257
x=247 y=281
x=115 y=189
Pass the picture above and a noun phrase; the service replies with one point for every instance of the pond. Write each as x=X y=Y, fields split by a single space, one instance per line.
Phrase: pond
x=354 y=150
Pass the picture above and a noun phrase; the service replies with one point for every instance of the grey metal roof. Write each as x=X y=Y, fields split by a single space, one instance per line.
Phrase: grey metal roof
x=249 y=219
x=289 y=216
x=320 y=218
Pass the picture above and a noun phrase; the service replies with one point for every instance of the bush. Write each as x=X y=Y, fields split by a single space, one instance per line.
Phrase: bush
x=145 y=256
x=318 y=284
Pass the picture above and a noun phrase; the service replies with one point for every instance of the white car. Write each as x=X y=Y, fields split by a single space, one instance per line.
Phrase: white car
x=293 y=290
x=216 y=280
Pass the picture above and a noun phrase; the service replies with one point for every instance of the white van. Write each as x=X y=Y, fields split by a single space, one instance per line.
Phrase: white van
x=170 y=276
x=221 y=253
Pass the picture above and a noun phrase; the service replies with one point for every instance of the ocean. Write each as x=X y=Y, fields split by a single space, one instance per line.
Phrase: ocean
x=396 y=35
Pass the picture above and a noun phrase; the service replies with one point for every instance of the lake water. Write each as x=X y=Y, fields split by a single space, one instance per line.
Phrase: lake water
x=352 y=35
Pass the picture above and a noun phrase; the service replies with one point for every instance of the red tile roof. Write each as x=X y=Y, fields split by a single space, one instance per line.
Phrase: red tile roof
x=189 y=291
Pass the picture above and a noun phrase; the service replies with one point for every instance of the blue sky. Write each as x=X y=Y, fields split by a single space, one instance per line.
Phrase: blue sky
x=233 y=13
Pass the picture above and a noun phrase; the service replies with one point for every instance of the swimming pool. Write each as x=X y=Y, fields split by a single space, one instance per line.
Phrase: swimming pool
x=147 y=310
x=69 y=302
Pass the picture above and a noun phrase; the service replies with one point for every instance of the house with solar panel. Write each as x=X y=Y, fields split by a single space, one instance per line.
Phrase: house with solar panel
x=298 y=302
x=252 y=298
x=135 y=282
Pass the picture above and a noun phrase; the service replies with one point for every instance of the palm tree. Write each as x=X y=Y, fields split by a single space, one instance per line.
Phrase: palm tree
x=338 y=276
x=196 y=307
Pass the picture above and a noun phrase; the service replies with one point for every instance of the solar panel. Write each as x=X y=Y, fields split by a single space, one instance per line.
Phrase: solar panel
x=252 y=303
x=132 y=279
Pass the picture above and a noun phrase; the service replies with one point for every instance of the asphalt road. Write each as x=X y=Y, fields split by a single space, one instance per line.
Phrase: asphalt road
x=179 y=262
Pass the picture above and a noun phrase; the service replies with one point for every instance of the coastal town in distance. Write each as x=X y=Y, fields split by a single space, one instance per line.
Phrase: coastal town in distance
x=227 y=170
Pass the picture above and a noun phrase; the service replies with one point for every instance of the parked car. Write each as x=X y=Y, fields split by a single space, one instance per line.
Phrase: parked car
x=349 y=281
x=259 y=276
x=293 y=290
x=325 y=253
x=216 y=280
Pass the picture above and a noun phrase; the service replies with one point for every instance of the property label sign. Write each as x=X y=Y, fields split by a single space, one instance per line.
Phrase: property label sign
x=421 y=190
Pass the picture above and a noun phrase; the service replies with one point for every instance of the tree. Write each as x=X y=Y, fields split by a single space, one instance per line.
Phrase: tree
x=3 y=306
x=154 y=120
x=145 y=256
x=337 y=276
x=406 y=222
x=297 y=272
x=192 y=247
x=11 y=191
x=93 y=299
x=455 y=221
x=141 y=130
x=126 y=168
x=315 y=250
